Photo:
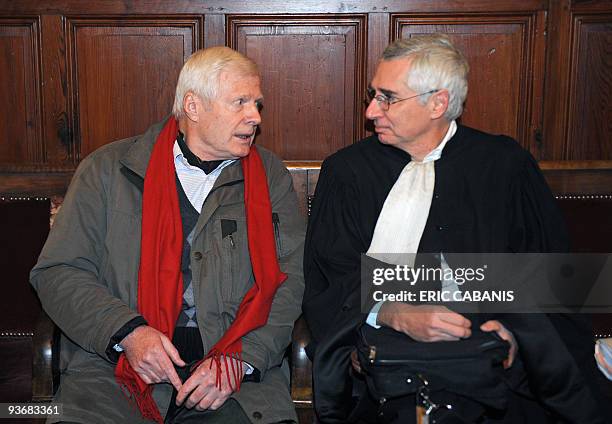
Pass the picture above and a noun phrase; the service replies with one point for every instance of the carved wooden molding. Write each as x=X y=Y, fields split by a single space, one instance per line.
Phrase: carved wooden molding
x=265 y=6
x=545 y=165
x=573 y=165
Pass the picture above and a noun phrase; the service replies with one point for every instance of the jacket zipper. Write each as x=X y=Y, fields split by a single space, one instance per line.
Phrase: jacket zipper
x=276 y=223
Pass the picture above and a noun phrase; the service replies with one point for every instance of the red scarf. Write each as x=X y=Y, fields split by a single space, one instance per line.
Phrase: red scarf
x=160 y=281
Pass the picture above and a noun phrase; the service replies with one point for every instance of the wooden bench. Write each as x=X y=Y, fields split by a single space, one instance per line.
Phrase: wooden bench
x=27 y=334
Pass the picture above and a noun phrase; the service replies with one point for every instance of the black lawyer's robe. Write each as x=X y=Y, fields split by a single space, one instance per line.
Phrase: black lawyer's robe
x=489 y=197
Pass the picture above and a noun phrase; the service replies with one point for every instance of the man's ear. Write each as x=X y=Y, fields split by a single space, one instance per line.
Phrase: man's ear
x=192 y=106
x=439 y=104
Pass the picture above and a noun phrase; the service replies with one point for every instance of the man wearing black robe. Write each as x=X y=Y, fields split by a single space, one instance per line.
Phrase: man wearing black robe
x=489 y=196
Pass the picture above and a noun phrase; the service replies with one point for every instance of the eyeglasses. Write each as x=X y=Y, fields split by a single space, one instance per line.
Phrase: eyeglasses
x=384 y=103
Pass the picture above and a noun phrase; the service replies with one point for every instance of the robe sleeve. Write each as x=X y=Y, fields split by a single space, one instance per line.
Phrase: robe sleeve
x=549 y=343
x=334 y=242
x=537 y=223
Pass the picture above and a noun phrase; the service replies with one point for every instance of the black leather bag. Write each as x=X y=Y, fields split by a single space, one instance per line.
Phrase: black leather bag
x=471 y=370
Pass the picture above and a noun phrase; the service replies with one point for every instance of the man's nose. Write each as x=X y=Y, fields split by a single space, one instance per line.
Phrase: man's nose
x=252 y=115
x=373 y=111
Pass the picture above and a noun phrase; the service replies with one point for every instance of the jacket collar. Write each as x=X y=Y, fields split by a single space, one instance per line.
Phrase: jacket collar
x=137 y=157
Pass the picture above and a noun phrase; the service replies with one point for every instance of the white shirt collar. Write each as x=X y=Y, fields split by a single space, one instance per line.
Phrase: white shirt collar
x=178 y=154
x=437 y=152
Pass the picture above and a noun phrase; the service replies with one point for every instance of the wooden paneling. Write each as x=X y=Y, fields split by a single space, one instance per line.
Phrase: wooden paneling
x=313 y=77
x=578 y=177
x=590 y=118
x=20 y=127
x=34 y=183
x=503 y=82
x=124 y=73
x=81 y=74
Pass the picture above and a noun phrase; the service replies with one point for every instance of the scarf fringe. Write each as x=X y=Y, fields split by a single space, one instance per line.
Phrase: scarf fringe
x=143 y=399
x=233 y=367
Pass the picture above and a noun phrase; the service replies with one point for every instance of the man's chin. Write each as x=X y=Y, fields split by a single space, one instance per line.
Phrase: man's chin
x=384 y=138
x=242 y=151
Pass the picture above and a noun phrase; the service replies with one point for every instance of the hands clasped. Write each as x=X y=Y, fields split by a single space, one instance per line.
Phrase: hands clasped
x=153 y=356
x=201 y=391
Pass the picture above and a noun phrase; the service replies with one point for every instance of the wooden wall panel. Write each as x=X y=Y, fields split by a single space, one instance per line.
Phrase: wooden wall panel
x=313 y=78
x=20 y=126
x=502 y=75
x=590 y=118
x=124 y=74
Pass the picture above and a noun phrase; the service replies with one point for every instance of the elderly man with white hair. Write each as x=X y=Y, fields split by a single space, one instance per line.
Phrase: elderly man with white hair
x=174 y=267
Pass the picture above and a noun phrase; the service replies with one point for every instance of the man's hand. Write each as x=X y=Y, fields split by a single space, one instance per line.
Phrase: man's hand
x=424 y=323
x=200 y=389
x=506 y=335
x=151 y=354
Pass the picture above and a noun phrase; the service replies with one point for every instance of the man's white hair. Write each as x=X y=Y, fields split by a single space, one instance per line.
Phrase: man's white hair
x=434 y=64
x=202 y=70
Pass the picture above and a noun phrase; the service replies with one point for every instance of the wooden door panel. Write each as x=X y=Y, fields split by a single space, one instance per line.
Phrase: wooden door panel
x=21 y=142
x=313 y=79
x=124 y=74
x=590 y=121
x=499 y=49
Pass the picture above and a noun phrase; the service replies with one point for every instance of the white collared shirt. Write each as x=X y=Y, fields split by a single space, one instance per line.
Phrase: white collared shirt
x=196 y=183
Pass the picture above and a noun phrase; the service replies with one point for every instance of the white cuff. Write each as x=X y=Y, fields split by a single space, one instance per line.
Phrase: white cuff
x=373 y=315
x=248 y=368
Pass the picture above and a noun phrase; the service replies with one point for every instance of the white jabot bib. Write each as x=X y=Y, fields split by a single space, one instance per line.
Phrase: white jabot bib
x=404 y=214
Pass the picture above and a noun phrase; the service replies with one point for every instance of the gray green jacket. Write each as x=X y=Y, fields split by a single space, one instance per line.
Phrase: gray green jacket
x=86 y=278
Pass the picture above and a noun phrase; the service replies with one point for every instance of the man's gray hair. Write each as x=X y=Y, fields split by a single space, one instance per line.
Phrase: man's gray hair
x=202 y=70
x=435 y=64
